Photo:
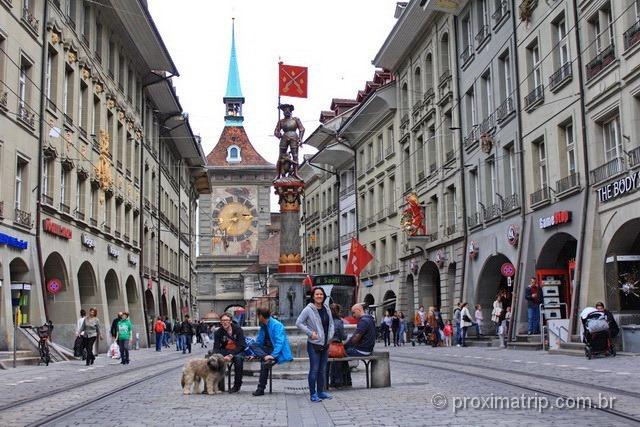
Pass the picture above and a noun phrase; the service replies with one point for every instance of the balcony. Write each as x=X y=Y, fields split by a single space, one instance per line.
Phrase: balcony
x=93 y=222
x=505 y=110
x=560 y=77
x=482 y=35
x=501 y=12
x=127 y=238
x=600 y=62
x=540 y=197
x=146 y=270
x=119 y=165
x=610 y=169
x=4 y=96
x=420 y=176
x=30 y=19
x=488 y=124
x=392 y=266
x=380 y=215
x=64 y=208
x=634 y=157
x=492 y=212
x=466 y=55
x=106 y=228
x=407 y=185
x=361 y=173
x=568 y=183
x=432 y=237
x=346 y=238
x=117 y=234
x=451 y=154
x=388 y=152
x=444 y=77
x=451 y=229
x=510 y=203
x=25 y=116
x=473 y=220
x=471 y=139
x=632 y=36
x=428 y=95
x=23 y=218
x=433 y=167
x=534 y=98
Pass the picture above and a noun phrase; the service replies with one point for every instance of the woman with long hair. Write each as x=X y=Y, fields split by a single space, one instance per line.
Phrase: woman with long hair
x=465 y=321
x=317 y=323
x=90 y=331
x=339 y=372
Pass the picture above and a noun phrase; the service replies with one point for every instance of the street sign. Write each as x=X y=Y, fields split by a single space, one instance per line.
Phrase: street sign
x=507 y=269
x=185 y=310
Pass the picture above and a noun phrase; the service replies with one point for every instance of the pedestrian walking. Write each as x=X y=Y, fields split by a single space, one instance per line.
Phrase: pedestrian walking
x=78 y=345
x=395 y=328
x=203 y=334
x=229 y=341
x=465 y=322
x=124 y=336
x=479 y=320
x=167 y=332
x=271 y=346
x=385 y=325
x=158 y=328
x=114 y=326
x=432 y=321
x=90 y=330
x=456 y=320
x=420 y=317
x=496 y=312
x=403 y=328
x=339 y=372
x=177 y=333
x=316 y=322
x=187 y=334
x=448 y=332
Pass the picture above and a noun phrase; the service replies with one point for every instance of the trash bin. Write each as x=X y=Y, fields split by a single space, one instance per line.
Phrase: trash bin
x=631 y=338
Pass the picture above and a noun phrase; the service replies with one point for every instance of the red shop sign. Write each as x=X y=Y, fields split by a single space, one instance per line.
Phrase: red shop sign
x=51 y=227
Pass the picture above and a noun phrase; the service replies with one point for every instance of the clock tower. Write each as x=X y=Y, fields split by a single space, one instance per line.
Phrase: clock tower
x=235 y=217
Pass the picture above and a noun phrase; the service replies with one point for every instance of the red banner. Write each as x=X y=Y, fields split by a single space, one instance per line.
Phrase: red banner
x=358 y=259
x=292 y=80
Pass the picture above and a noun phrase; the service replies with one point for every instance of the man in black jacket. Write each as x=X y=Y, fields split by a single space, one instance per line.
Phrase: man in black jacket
x=228 y=340
x=177 y=332
x=187 y=333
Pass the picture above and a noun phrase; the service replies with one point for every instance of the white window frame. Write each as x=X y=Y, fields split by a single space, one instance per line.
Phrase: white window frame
x=563 y=41
x=20 y=166
x=616 y=148
x=537 y=66
x=571 y=149
x=542 y=164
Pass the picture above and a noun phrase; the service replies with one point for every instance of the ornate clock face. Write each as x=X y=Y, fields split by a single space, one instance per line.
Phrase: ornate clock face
x=236 y=216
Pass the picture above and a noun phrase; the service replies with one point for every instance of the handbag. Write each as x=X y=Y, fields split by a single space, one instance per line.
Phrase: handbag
x=336 y=350
x=466 y=318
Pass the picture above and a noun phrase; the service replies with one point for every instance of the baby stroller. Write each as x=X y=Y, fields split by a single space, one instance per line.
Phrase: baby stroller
x=422 y=335
x=596 y=334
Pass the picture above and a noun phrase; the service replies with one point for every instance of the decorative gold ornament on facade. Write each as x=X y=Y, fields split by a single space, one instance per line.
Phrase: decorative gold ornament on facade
x=72 y=57
x=486 y=143
x=55 y=38
x=98 y=85
x=111 y=102
x=290 y=259
x=85 y=73
x=103 y=170
x=138 y=134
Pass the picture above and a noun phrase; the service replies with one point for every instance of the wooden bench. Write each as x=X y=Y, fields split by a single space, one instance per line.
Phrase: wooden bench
x=376 y=366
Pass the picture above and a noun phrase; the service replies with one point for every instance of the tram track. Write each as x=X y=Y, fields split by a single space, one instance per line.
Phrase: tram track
x=71 y=387
x=440 y=364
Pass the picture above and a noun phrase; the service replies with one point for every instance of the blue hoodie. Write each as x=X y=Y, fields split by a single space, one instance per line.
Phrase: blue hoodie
x=278 y=336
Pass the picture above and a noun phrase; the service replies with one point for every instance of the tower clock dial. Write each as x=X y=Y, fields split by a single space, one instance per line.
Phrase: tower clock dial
x=236 y=216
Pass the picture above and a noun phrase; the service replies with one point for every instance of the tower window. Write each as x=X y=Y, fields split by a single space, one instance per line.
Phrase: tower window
x=233 y=154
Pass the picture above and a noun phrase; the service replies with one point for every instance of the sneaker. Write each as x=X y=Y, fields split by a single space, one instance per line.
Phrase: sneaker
x=234 y=389
x=325 y=395
x=315 y=398
x=258 y=392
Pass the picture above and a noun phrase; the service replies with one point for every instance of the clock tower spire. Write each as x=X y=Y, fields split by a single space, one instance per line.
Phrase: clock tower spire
x=233 y=98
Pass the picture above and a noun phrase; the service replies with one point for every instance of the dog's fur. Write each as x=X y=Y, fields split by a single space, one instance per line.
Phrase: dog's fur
x=210 y=370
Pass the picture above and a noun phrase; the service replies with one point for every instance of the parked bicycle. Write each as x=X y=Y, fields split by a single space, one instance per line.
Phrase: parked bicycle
x=44 y=336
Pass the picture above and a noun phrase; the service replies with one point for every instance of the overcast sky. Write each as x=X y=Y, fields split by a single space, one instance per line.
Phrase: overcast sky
x=336 y=39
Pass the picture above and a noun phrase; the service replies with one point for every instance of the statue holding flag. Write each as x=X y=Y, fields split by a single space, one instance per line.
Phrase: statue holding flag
x=290 y=132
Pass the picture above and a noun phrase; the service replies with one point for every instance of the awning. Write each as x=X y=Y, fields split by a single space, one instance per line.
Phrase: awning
x=334 y=155
x=379 y=104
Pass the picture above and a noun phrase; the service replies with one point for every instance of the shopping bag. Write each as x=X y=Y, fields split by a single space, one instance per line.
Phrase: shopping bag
x=114 y=351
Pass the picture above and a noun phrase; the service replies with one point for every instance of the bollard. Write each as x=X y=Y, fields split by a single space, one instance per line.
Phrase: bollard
x=137 y=341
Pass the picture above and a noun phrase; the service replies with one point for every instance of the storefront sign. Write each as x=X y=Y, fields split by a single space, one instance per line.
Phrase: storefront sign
x=87 y=241
x=12 y=242
x=51 y=227
x=513 y=235
x=473 y=249
x=54 y=286
x=507 y=269
x=113 y=252
x=133 y=259
x=389 y=278
x=185 y=310
x=619 y=187
x=560 y=217
x=149 y=284
x=367 y=283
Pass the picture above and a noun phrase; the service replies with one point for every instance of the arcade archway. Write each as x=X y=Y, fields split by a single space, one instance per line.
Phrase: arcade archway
x=410 y=296
x=556 y=263
x=88 y=289
x=369 y=300
x=429 y=285
x=174 y=308
x=151 y=306
x=60 y=305
x=491 y=282
x=389 y=302
x=622 y=268
x=115 y=299
x=135 y=307
x=164 y=310
x=21 y=290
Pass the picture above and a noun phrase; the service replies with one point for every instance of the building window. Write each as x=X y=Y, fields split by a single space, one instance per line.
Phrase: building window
x=420 y=162
x=64 y=187
x=83 y=106
x=505 y=77
x=99 y=41
x=67 y=95
x=611 y=139
x=601 y=28
x=510 y=182
x=94 y=204
x=428 y=72
x=404 y=99
x=487 y=94
x=444 y=54
x=434 y=215
x=51 y=75
x=380 y=148
x=474 y=194
x=406 y=165
x=561 y=39
x=491 y=181
x=47 y=177
x=470 y=109
x=390 y=140
x=86 y=24
x=571 y=149
x=541 y=164
x=80 y=197
x=112 y=58
x=23 y=85
x=417 y=84
x=21 y=184
x=535 y=66
x=233 y=154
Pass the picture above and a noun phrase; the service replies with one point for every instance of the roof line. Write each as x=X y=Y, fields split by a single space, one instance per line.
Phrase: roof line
x=152 y=23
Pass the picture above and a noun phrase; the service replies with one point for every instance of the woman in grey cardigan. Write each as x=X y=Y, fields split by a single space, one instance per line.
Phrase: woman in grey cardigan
x=316 y=321
x=90 y=331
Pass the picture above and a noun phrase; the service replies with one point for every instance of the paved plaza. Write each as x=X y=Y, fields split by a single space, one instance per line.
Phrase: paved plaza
x=444 y=386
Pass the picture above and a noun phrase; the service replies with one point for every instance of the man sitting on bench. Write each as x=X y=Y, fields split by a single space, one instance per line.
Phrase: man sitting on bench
x=228 y=340
x=271 y=346
x=364 y=338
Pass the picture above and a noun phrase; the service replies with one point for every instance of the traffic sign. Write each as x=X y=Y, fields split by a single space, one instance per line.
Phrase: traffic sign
x=507 y=269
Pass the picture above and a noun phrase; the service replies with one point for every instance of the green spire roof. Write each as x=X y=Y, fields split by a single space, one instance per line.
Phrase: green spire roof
x=233 y=81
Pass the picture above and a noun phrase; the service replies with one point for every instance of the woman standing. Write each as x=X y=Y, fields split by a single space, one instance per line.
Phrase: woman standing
x=479 y=320
x=90 y=331
x=316 y=321
x=496 y=313
x=123 y=337
x=432 y=321
x=465 y=321
x=339 y=372
x=403 y=328
x=386 y=328
x=395 y=328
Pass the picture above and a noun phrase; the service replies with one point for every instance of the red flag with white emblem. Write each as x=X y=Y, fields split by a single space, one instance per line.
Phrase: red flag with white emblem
x=358 y=259
x=292 y=80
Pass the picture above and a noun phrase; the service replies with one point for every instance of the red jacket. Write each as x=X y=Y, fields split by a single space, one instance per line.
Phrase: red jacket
x=159 y=326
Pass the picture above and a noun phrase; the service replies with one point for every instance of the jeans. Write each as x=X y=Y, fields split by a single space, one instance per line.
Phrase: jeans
x=165 y=339
x=179 y=343
x=386 y=336
x=458 y=334
x=88 y=346
x=352 y=352
x=533 y=314
x=477 y=325
x=238 y=366
x=261 y=352
x=186 y=343
x=124 y=350
x=396 y=337
x=403 y=329
x=317 y=369
x=159 y=337
x=464 y=334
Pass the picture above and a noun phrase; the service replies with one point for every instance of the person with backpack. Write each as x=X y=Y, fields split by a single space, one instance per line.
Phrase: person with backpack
x=159 y=328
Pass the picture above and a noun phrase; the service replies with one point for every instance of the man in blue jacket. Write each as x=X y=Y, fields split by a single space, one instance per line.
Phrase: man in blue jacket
x=364 y=338
x=271 y=346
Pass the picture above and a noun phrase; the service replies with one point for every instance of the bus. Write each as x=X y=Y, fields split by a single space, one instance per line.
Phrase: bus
x=341 y=288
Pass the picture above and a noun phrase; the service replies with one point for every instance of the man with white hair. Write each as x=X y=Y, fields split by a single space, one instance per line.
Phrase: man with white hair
x=364 y=338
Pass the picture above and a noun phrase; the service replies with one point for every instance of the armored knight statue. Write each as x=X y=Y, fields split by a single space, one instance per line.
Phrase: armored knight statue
x=290 y=132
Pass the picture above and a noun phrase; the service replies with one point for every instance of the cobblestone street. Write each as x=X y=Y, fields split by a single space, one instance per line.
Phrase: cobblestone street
x=149 y=392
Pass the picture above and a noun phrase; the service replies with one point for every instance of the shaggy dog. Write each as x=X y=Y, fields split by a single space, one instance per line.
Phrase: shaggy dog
x=209 y=369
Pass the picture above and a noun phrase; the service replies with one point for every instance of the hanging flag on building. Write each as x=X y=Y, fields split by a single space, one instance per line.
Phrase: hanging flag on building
x=358 y=259
x=292 y=80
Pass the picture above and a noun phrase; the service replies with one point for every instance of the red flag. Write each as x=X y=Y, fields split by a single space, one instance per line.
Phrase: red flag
x=292 y=80
x=358 y=259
